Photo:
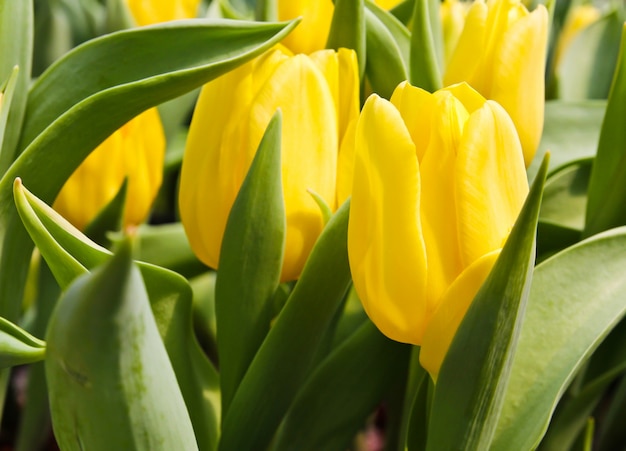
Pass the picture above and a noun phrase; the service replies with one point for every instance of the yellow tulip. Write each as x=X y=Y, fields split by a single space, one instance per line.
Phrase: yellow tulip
x=501 y=53
x=136 y=151
x=452 y=13
x=312 y=32
x=439 y=180
x=148 y=12
x=318 y=96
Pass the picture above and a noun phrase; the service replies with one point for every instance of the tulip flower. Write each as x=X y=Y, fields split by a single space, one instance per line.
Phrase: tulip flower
x=501 y=53
x=452 y=13
x=578 y=18
x=439 y=180
x=318 y=96
x=148 y=12
x=135 y=152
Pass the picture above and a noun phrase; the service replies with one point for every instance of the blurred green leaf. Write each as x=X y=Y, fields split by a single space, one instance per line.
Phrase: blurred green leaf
x=425 y=71
x=16 y=48
x=167 y=246
x=251 y=260
x=587 y=66
x=570 y=132
x=387 y=47
x=348 y=29
x=283 y=361
x=170 y=299
x=576 y=299
x=17 y=346
x=326 y=414
x=607 y=186
x=466 y=409
x=403 y=11
x=611 y=432
x=110 y=381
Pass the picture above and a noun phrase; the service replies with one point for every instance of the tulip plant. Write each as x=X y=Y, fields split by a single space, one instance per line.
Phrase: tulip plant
x=312 y=225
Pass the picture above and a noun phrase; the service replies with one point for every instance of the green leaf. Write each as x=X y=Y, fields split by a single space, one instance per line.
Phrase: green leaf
x=570 y=132
x=347 y=29
x=167 y=246
x=403 y=11
x=387 y=45
x=611 y=433
x=17 y=346
x=326 y=414
x=562 y=215
x=283 y=361
x=425 y=71
x=466 y=409
x=111 y=383
x=587 y=66
x=560 y=312
x=251 y=260
x=16 y=48
x=266 y=10
x=170 y=299
x=607 y=186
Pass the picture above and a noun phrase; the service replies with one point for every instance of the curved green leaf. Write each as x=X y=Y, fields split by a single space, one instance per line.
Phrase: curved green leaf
x=425 y=71
x=17 y=346
x=575 y=300
x=283 y=361
x=466 y=409
x=251 y=260
x=348 y=29
x=607 y=186
x=326 y=414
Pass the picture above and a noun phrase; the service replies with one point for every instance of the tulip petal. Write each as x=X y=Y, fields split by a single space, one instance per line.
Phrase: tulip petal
x=309 y=150
x=520 y=58
x=385 y=246
x=415 y=105
x=341 y=71
x=469 y=97
x=151 y=12
x=447 y=318
x=438 y=207
x=466 y=57
x=491 y=182
x=310 y=35
x=345 y=164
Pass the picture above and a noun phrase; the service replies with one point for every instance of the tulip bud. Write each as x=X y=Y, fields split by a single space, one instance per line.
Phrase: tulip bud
x=135 y=151
x=154 y=11
x=439 y=180
x=318 y=96
x=501 y=53
x=452 y=14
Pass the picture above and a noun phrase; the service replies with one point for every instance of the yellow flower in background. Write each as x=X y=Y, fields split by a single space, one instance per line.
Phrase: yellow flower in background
x=148 y=12
x=501 y=53
x=578 y=18
x=318 y=96
x=439 y=180
x=312 y=32
x=452 y=13
x=136 y=151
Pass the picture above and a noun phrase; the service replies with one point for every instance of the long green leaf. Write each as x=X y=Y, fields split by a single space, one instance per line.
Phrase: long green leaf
x=16 y=48
x=607 y=186
x=466 y=409
x=575 y=300
x=170 y=299
x=282 y=363
x=17 y=346
x=425 y=71
x=250 y=264
x=326 y=413
x=348 y=29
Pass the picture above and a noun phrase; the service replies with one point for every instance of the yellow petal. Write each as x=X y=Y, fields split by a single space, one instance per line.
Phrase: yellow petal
x=345 y=164
x=438 y=211
x=466 y=58
x=312 y=32
x=341 y=71
x=387 y=4
x=309 y=150
x=385 y=246
x=452 y=309
x=415 y=106
x=518 y=84
x=491 y=183
x=469 y=97
x=452 y=14
x=135 y=151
